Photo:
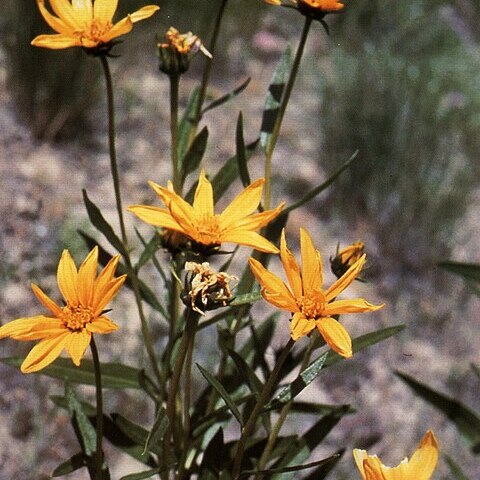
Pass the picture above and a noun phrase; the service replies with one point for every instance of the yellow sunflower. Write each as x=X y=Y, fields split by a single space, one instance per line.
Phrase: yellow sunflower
x=419 y=467
x=86 y=23
x=313 y=8
x=86 y=295
x=236 y=224
x=311 y=305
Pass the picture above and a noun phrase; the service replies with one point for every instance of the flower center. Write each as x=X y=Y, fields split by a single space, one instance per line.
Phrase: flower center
x=313 y=305
x=75 y=317
x=95 y=31
x=208 y=231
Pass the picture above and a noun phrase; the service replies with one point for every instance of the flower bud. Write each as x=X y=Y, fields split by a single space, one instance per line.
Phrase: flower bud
x=346 y=257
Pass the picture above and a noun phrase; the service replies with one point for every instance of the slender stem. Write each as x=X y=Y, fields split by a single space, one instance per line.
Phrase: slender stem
x=132 y=274
x=174 y=84
x=99 y=399
x=272 y=438
x=262 y=399
x=111 y=142
x=283 y=106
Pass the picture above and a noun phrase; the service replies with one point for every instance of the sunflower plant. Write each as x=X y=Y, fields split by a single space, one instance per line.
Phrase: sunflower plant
x=222 y=410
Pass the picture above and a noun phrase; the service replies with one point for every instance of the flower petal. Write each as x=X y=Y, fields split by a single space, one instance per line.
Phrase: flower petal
x=273 y=289
x=203 y=200
x=64 y=10
x=55 y=42
x=360 y=456
x=144 y=12
x=122 y=27
x=301 y=326
x=103 y=297
x=243 y=205
x=312 y=275
x=56 y=23
x=159 y=217
x=32 y=328
x=44 y=353
x=76 y=344
x=354 y=305
x=86 y=277
x=373 y=469
x=346 y=279
x=102 y=325
x=46 y=301
x=250 y=239
x=83 y=11
x=258 y=220
x=104 y=10
x=290 y=265
x=335 y=334
x=67 y=278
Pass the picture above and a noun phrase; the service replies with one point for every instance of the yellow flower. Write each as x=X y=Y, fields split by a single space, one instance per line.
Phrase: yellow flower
x=236 y=224
x=312 y=8
x=419 y=467
x=346 y=257
x=310 y=304
x=86 y=295
x=86 y=23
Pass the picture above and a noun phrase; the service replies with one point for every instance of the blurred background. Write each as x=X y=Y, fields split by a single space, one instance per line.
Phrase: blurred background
x=397 y=81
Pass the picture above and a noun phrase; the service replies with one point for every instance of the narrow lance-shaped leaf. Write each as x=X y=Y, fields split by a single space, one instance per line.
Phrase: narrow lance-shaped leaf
x=158 y=430
x=455 y=469
x=195 y=153
x=150 y=248
x=246 y=299
x=322 y=471
x=156 y=263
x=77 y=461
x=225 y=98
x=274 y=96
x=241 y=153
x=222 y=392
x=142 y=475
x=254 y=383
x=466 y=421
x=469 y=271
x=213 y=455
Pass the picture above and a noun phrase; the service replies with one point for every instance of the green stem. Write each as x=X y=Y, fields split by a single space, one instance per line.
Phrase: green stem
x=99 y=399
x=272 y=438
x=132 y=274
x=174 y=86
x=281 y=112
x=262 y=399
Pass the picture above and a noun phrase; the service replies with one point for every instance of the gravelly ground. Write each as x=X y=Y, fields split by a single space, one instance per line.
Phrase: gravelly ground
x=40 y=205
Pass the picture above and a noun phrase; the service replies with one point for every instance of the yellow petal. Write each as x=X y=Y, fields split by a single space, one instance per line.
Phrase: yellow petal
x=335 y=334
x=46 y=301
x=55 y=42
x=301 y=326
x=56 y=23
x=106 y=275
x=67 y=278
x=120 y=28
x=102 y=325
x=243 y=205
x=311 y=264
x=76 y=344
x=273 y=289
x=159 y=217
x=250 y=239
x=291 y=267
x=44 y=353
x=203 y=201
x=258 y=220
x=360 y=456
x=144 y=12
x=86 y=277
x=373 y=469
x=104 y=9
x=106 y=295
x=346 y=279
x=354 y=305
x=83 y=11
x=65 y=11
x=32 y=328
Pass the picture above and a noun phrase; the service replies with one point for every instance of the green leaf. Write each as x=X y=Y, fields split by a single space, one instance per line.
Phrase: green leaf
x=186 y=124
x=455 y=469
x=274 y=96
x=466 y=421
x=303 y=380
x=322 y=409
x=364 y=341
x=225 y=98
x=476 y=370
x=142 y=475
x=77 y=461
x=213 y=455
x=315 y=435
x=99 y=222
x=114 y=375
x=222 y=392
x=246 y=298
x=195 y=153
x=242 y=153
x=159 y=428
x=246 y=372
x=317 y=190
x=469 y=271
x=150 y=248
x=322 y=471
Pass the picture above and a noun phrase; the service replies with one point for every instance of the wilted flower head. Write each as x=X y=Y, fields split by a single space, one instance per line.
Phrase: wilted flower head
x=70 y=327
x=207 y=230
x=206 y=289
x=86 y=23
x=346 y=257
x=419 y=467
x=311 y=305
x=316 y=9
x=177 y=49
